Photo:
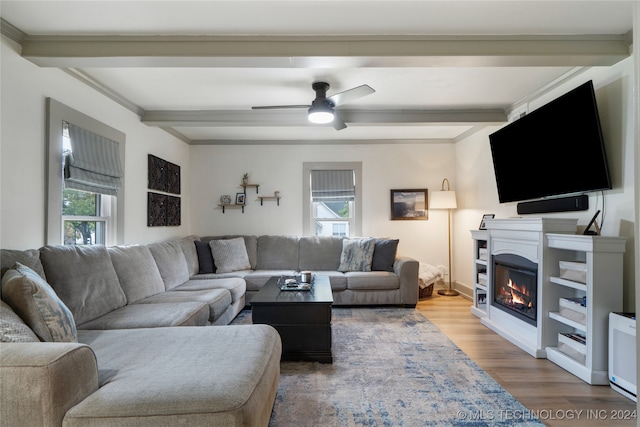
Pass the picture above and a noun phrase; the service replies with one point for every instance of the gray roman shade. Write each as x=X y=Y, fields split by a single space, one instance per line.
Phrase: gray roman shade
x=333 y=185
x=93 y=164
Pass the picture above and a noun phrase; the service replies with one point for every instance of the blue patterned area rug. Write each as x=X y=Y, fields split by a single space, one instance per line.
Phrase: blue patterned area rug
x=391 y=367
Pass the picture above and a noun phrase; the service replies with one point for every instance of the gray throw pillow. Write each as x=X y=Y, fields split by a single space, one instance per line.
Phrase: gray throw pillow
x=230 y=255
x=384 y=254
x=357 y=254
x=35 y=301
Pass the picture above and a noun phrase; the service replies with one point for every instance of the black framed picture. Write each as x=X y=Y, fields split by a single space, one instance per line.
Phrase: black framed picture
x=240 y=198
x=409 y=204
x=483 y=225
x=157 y=171
x=156 y=209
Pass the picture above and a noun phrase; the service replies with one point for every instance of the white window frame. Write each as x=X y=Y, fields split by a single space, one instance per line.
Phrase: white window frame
x=113 y=212
x=308 y=222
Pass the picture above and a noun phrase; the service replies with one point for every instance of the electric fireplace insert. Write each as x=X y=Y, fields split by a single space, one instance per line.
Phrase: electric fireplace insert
x=515 y=285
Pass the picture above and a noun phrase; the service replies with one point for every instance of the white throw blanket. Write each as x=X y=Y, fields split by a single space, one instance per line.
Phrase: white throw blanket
x=428 y=274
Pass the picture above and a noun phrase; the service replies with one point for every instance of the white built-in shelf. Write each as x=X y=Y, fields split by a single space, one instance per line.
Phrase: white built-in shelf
x=603 y=258
x=479 y=306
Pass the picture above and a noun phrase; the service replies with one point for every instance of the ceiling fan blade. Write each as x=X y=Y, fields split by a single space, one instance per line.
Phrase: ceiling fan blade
x=279 y=107
x=351 y=94
x=338 y=123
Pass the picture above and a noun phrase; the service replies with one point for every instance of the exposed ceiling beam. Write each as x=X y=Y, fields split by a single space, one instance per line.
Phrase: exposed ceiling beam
x=211 y=118
x=308 y=51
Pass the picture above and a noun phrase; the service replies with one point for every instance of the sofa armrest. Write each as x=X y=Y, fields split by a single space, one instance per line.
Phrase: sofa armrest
x=40 y=382
x=407 y=269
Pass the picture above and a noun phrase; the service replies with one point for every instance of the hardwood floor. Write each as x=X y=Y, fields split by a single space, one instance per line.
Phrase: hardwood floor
x=556 y=396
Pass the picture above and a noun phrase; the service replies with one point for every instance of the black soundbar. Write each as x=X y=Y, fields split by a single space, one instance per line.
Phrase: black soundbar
x=563 y=204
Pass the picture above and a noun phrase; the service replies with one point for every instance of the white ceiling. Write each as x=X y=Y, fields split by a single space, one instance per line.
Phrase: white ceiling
x=441 y=69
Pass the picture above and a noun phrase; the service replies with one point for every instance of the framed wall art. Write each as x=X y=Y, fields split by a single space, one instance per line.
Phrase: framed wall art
x=409 y=204
x=163 y=175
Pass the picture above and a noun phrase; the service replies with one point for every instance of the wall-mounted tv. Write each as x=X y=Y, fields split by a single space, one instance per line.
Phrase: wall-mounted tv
x=554 y=150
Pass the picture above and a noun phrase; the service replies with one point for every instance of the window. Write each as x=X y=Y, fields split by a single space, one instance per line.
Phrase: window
x=85 y=185
x=332 y=198
x=85 y=215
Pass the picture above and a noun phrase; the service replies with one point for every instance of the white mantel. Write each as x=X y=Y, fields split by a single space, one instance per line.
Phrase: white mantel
x=524 y=237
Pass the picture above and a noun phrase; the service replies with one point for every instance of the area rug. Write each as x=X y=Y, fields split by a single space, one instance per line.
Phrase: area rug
x=391 y=367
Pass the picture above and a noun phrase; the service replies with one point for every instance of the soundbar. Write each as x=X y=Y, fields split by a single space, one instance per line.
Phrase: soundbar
x=562 y=204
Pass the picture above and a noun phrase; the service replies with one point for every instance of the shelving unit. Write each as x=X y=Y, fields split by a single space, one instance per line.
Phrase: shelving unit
x=602 y=292
x=480 y=284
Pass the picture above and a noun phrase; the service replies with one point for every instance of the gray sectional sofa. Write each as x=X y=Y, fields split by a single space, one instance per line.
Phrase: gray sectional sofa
x=392 y=279
x=97 y=336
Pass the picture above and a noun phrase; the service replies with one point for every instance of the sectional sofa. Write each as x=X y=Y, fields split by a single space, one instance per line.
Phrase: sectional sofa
x=97 y=336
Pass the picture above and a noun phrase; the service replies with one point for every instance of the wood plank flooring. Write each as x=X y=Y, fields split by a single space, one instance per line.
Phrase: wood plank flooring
x=556 y=396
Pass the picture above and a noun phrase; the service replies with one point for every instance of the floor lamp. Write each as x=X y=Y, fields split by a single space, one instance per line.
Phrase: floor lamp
x=445 y=199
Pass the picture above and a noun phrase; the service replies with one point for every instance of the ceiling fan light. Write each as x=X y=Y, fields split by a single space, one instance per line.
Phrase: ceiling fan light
x=320 y=117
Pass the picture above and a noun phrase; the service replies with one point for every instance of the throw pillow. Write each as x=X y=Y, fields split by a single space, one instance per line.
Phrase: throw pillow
x=205 y=259
x=12 y=327
x=35 y=301
x=230 y=255
x=384 y=254
x=357 y=254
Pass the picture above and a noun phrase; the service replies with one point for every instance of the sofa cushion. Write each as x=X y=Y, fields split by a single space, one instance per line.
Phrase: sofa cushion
x=171 y=262
x=218 y=300
x=230 y=255
x=320 y=253
x=155 y=315
x=29 y=257
x=137 y=271
x=235 y=285
x=384 y=254
x=212 y=376
x=278 y=253
x=373 y=280
x=37 y=304
x=190 y=255
x=357 y=254
x=84 y=278
x=205 y=259
x=12 y=327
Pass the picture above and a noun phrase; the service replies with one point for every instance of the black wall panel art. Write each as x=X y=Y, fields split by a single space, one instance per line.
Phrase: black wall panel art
x=163 y=209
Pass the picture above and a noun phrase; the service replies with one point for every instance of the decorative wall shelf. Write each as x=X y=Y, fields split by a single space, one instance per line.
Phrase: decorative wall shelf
x=232 y=206
x=269 y=198
x=250 y=185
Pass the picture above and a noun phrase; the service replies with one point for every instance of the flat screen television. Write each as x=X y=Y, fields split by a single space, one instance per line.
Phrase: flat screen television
x=554 y=150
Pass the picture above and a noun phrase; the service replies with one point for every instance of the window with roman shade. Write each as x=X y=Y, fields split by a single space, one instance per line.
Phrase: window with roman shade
x=332 y=194
x=93 y=164
x=331 y=185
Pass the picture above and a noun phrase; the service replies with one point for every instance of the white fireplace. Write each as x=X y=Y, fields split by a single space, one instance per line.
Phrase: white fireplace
x=518 y=244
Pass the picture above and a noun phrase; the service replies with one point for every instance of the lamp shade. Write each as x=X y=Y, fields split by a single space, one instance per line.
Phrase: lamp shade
x=443 y=200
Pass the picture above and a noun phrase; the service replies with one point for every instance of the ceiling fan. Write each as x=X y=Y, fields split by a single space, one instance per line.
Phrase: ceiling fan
x=322 y=109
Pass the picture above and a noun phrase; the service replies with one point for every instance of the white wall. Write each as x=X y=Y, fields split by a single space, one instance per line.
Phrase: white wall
x=279 y=167
x=478 y=193
x=24 y=89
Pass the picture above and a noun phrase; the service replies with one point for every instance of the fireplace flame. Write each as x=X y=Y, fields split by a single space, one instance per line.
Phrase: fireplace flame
x=519 y=294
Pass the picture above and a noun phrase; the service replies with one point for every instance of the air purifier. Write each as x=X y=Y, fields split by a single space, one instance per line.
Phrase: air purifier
x=622 y=354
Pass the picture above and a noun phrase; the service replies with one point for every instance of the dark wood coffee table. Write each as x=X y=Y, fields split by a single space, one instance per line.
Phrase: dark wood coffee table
x=302 y=318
